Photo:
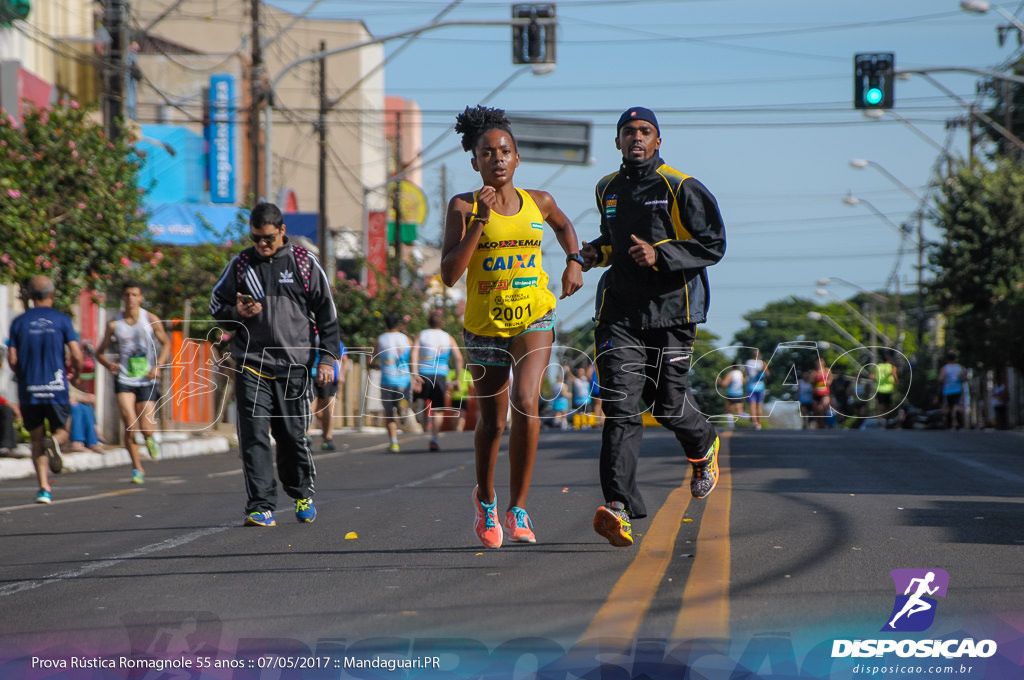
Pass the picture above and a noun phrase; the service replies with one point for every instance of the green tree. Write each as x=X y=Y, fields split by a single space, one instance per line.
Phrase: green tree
x=361 y=315
x=979 y=265
x=1007 y=110
x=69 y=198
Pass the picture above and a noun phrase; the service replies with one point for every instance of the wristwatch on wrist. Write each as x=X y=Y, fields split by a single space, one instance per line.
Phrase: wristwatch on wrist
x=574 y=257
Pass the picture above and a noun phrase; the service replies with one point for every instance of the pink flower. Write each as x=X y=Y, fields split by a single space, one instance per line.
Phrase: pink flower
x=46 y=264
x=158 y=256
x=71 y=145
x=81 y=206
x=99 y=216
x=74 y=104
x=125 y=261
x=5 y=258
x=14 y=193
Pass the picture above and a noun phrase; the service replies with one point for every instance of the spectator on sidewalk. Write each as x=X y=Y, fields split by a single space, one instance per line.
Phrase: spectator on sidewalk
x=8 y=436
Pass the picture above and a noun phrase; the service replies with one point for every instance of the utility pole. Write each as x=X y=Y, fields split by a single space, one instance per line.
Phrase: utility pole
x=396 y=197
x=443 y=212
x=323 y=235
x=256 y=96
x=114 y=68
x=920 y=287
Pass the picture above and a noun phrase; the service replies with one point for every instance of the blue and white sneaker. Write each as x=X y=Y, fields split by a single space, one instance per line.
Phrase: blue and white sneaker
x=305 y=511
x=44 y=496
x=260 y=519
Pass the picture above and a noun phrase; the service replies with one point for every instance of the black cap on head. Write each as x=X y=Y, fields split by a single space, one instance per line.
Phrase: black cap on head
x=638 y=113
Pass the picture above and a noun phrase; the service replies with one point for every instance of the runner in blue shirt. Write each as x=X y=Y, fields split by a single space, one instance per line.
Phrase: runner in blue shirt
x=36 y=355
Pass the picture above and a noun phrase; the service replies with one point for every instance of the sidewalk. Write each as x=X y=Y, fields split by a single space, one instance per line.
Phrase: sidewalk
x=218 y=439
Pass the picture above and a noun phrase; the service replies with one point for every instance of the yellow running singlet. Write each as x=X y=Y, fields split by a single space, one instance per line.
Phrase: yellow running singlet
x=507 y=287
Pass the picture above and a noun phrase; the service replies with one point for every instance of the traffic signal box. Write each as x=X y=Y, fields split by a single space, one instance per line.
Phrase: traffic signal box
x=534 y=43
x=873 y=76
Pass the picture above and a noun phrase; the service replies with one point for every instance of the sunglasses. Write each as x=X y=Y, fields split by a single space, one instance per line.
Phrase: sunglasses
x=264 y=238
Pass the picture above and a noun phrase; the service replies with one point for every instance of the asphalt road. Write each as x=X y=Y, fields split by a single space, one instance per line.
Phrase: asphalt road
x=791 y=551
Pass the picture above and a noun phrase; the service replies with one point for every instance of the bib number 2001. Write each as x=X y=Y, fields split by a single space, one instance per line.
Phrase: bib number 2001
x=510 y=314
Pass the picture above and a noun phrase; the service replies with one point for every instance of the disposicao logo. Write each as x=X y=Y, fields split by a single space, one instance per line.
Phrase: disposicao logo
x=916 y=589
x=914 y=610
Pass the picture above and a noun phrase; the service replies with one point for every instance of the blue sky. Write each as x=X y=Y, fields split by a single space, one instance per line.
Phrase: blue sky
x=754 y=99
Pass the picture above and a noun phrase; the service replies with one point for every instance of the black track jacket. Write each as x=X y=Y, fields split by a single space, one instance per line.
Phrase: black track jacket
x=296 y=299
x=678 y=216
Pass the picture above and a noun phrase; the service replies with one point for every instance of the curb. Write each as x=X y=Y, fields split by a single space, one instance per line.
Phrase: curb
x=78 y=461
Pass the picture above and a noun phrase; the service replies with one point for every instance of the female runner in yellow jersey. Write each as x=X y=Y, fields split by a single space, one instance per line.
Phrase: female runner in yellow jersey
x=495 y=233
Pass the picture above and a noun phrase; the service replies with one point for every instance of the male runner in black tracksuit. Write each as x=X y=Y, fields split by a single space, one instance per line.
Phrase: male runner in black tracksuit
x=278 y=297
x=659 y=230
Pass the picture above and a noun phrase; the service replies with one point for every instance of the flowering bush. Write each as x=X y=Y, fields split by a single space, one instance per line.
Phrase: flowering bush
x=69 y=200
x=361 y=316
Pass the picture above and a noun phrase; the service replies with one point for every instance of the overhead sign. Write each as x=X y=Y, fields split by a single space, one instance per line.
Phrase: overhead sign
x=221 y=137
x=547 y=140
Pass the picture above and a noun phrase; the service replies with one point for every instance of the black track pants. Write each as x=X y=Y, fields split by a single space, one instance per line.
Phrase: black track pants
x=651 y=366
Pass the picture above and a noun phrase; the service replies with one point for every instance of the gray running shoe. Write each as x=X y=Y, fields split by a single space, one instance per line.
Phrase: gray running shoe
x=705 y=473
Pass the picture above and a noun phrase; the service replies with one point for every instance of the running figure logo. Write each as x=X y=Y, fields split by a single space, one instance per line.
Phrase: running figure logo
x=914 y=609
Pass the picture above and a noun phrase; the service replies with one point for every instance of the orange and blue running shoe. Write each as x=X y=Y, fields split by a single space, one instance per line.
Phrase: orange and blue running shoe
x=486 y=521
x=612 y=522
x=519 y=526
x=705 y=472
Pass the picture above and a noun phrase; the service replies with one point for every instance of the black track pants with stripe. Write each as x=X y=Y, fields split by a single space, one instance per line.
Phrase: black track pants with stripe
x=651 y=365
x=279 y=406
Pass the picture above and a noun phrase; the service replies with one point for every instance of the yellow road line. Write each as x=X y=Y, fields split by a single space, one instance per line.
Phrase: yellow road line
x=624 y=610
x=705 y=607
x=707 y=586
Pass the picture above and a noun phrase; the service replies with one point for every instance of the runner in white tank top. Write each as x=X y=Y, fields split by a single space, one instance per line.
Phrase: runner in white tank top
x=136 y=371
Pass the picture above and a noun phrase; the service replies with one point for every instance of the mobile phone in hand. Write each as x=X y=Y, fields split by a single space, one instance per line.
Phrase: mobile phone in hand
x=246 y=299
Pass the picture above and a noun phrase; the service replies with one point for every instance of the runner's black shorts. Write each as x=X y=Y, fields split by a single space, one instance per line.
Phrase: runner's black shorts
x=150 y=392
x=433 y=387
x=325 y=391
x=56 y=415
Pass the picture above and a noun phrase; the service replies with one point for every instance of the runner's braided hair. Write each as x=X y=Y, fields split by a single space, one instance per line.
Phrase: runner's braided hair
x=473 y=122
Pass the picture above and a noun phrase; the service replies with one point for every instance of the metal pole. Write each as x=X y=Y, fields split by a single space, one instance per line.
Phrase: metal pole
x=396 y=196
x=272 y=85
x=256 y=96
x=323 y=234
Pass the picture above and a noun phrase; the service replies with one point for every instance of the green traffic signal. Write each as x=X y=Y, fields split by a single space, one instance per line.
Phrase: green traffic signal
x=873 y=96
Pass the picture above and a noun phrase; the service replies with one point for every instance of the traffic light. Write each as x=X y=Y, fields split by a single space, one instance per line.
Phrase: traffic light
x=13 y=10
x=534 y=43
x=873 y=76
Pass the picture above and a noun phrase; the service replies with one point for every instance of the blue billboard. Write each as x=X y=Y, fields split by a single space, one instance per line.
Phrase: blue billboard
x=221 y=136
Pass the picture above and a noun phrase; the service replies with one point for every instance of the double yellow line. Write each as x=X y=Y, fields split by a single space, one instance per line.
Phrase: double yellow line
x=704 y=609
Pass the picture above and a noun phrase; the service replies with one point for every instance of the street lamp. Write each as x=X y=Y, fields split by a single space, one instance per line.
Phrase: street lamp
x=818 y=316
x=878 y=114
x=863 y=163
x=824 y=281
x=850 y=199
x=983 y=6
x=870 y=324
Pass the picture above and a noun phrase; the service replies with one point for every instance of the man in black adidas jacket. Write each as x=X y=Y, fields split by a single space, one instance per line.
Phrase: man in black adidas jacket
x=274 y=298
x=660 y=229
